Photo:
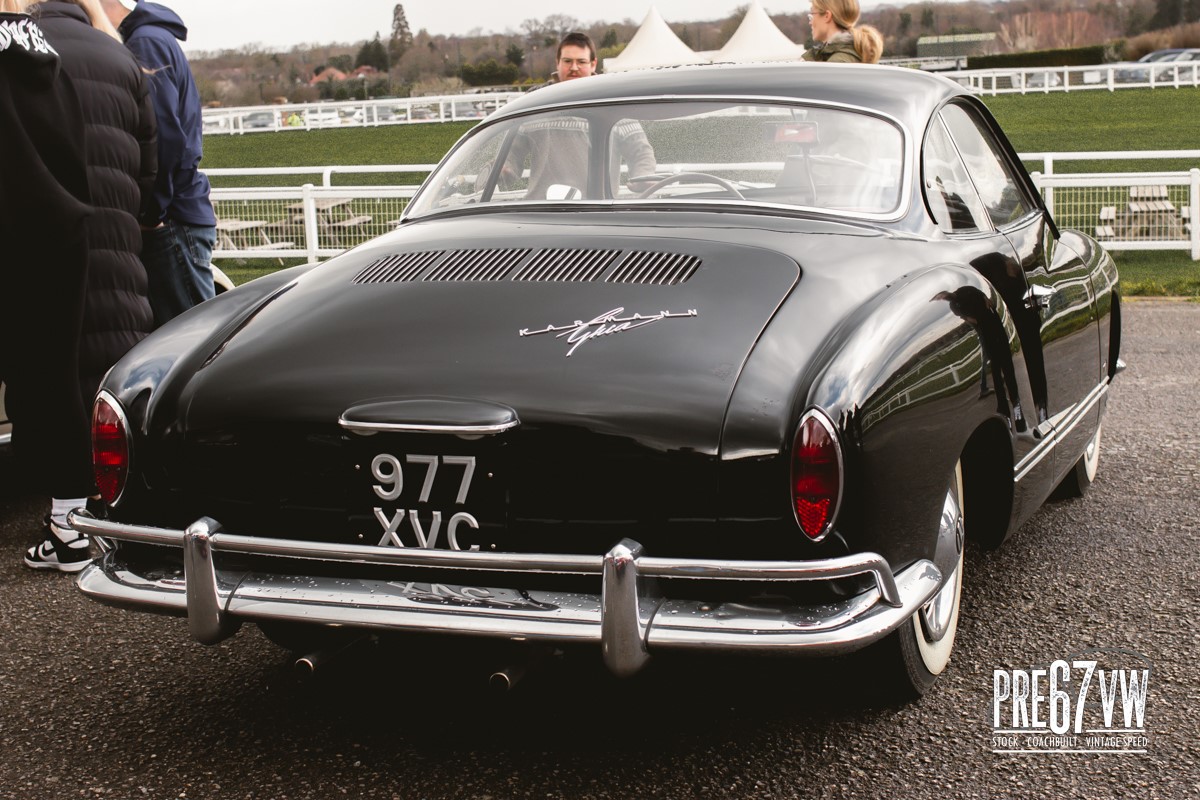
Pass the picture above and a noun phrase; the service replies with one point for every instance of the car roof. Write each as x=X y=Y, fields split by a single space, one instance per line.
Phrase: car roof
x=907 y=94
x=1159 y=55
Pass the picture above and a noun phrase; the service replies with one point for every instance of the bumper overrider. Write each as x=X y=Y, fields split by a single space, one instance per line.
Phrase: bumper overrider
x=624 y=616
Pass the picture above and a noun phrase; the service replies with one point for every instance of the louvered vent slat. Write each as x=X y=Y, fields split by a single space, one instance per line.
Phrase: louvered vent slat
x=579 y=266
x=659 y=269
x=544 y=266
x=398 y=268
x=477 y=265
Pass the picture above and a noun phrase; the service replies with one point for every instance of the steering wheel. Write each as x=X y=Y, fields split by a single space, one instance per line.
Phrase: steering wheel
x=691 y=177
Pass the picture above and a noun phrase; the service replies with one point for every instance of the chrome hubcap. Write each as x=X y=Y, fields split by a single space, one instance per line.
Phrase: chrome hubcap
x=938 y=613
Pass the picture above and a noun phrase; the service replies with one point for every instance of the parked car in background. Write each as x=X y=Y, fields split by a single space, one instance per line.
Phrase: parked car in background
x=260 y=119
x=467 y=111
x=322 y=118
x=1159 y=62
x=725 y=359
x=1041 y=79
x=374 y=114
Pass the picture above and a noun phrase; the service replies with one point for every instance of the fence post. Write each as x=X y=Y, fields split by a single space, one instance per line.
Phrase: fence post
x=1194 y=212
x=1048 y=192
x=310 y=222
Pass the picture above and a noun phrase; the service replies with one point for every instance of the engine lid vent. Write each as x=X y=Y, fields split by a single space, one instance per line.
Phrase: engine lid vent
x=655 y=268
x=398 y=268
x=477 y=265
x=566 y=265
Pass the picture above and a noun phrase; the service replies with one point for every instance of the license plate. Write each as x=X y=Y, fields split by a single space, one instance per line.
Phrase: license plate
x=425 y=498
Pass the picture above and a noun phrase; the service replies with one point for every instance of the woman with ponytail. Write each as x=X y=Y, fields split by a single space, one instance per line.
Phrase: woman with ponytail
x=836 y=37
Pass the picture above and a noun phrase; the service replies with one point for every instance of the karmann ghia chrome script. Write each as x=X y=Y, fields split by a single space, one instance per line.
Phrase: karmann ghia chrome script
x=609 y=322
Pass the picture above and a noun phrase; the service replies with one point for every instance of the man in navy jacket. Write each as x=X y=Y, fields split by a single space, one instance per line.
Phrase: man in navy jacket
x=178 y=252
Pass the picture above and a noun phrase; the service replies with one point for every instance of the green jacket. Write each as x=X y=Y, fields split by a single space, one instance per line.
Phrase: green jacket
x=839 y=49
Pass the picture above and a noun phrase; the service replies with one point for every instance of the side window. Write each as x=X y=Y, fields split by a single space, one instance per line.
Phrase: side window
x=1001 y=194
x=952 y=199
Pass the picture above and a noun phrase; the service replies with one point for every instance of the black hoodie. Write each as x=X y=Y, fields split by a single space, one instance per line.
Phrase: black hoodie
x=43 y=173
x=44 y=210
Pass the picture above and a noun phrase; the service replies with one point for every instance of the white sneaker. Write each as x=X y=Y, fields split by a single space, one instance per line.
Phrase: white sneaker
x=62 y=549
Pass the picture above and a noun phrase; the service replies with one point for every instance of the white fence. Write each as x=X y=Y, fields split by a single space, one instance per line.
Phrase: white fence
x=1126 y=211
x=354 y=113
x=468 y=107
x=1070 y=79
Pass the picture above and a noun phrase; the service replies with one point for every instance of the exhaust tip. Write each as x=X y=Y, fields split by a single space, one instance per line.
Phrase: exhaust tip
x=505 y=680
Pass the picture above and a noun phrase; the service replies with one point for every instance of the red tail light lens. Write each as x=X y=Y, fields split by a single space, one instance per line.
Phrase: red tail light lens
x=816 y=474
x=110 y=448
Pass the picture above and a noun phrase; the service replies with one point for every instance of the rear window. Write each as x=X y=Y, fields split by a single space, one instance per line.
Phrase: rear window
x=801 y=156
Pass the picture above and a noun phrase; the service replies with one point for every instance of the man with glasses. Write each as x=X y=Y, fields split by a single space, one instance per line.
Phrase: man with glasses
x=576 y=58
x=555 y=151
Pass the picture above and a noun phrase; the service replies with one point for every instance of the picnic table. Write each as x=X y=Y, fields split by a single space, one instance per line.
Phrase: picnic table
x=335 y=218
x=1148 y=215
x=247 y=234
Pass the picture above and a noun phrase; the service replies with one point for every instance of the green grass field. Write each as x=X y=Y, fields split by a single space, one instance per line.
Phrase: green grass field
x=1093 y=120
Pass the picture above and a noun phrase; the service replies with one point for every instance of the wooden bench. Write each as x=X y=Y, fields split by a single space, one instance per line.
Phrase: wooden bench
x=1105 y=232
x=351 y=222
x=1158 y=192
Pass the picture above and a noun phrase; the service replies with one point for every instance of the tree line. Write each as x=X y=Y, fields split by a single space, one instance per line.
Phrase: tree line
x=407 y=63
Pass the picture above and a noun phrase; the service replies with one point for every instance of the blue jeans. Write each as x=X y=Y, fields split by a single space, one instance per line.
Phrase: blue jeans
x=178 y=260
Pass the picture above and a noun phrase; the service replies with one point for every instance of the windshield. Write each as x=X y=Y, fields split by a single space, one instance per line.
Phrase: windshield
x=804 y=156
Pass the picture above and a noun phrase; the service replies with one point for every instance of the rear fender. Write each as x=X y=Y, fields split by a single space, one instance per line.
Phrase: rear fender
x=905 y=382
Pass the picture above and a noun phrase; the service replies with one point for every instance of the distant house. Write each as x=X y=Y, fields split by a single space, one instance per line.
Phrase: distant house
x=335 y=75
x=958 y=44
x=328 y=75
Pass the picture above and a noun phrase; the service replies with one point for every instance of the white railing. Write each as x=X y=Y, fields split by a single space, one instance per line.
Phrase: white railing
x=353 y=113
x=326 y=173
x=1129 y=211
x=1069 y=79
x=469 y=107
x=1126 y=211
x=308 y=221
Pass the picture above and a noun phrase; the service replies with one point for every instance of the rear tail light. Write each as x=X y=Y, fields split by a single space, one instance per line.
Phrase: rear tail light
x=110 y=447
x=816 y=474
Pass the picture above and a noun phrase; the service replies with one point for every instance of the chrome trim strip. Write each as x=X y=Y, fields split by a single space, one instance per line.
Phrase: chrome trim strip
x=1047 y=445
x=623 y=618
x=5 y=438
x=403 y=427
x=547 y=563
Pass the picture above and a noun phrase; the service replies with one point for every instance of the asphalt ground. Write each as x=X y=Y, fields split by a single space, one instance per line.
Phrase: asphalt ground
x=102 y=703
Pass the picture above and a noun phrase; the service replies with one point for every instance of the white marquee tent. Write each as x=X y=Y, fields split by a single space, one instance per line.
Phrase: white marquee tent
x=758 y=39
x=654 y=45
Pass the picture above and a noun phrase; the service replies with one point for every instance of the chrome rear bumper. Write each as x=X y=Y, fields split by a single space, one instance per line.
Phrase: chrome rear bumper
x=624 y=617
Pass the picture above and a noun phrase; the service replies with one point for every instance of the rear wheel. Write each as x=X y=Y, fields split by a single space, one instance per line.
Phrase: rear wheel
x=1081 y=476
x=918 y=651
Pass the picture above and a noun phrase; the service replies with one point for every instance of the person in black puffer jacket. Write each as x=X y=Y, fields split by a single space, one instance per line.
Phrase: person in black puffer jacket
x=122 y=156
x=45 y=206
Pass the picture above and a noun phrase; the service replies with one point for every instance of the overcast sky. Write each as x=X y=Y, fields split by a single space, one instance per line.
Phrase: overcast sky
x=279 y=24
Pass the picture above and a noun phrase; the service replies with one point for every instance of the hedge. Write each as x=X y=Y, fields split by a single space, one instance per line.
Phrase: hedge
x=1066 y=57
